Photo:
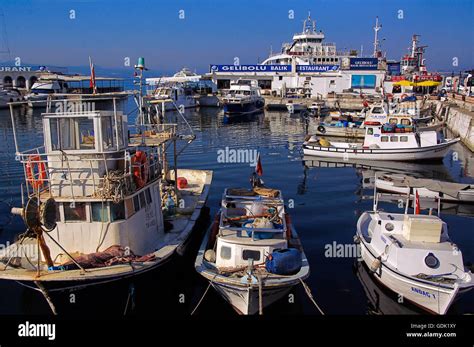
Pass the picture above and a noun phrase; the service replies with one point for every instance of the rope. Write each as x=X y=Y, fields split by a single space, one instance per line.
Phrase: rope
x=310 y=296
x=202 y=298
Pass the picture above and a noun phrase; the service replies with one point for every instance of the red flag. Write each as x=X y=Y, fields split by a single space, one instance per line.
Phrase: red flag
x=417 y=203
x=258 y=167
x=92 y=80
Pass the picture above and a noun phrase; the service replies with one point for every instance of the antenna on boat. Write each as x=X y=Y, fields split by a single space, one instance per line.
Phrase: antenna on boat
x=377 y=27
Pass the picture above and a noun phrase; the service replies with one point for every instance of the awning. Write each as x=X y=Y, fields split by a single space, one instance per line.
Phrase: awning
x=404 y=83
x=427 y=84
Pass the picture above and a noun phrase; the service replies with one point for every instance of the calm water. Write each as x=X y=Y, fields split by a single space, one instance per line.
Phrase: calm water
x=327 y=203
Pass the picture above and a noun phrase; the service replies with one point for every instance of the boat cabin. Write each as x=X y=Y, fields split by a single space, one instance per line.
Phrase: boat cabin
x=251 y=226
x=398 y=136
x=107 y=191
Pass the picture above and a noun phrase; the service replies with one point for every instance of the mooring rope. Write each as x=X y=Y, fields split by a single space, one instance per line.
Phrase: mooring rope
x=202 y=298
x=310 y=296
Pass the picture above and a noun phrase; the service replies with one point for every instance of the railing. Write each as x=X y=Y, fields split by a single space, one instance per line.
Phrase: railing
x=59 y=174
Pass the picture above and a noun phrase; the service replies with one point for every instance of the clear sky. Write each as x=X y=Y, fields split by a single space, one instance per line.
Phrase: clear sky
x=216 y=31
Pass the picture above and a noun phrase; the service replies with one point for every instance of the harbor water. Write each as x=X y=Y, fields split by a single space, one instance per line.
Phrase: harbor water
x=324 y=202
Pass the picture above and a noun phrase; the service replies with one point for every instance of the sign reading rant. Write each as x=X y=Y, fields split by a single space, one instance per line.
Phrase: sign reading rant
x=316 y=68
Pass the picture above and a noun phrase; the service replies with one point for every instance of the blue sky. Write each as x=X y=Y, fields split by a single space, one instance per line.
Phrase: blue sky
x=216 y=31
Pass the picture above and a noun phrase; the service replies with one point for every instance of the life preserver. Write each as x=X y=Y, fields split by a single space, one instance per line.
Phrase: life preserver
x=140 y=168
x=322 y=129
x=36 y=182
x=403 y=96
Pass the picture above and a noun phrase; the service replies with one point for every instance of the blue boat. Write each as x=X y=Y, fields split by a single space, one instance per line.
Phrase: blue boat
x=243 y=98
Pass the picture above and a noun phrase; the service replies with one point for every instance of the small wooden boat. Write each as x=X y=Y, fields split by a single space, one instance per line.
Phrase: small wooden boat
x=414 y=257
x=426 y=188
x=252 y=254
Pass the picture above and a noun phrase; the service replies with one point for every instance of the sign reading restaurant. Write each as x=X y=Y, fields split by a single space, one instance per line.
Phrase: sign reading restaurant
x=316 y=68
x=15 y=68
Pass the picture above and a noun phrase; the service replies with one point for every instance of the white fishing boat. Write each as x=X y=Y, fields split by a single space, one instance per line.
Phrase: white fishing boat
x=426 y=188
x=43 y=89
x=244 y=97
x=252 y=254
x=176 y=96
x=318 y=109
x=295 y=106
x=9 y=95
x=102 y=204
x=384 y=142
x=356 y=129
x=414 y=257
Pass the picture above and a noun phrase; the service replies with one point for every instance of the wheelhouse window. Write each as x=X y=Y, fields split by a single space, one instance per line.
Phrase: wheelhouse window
x=107 y=132
x=403 y=138
x=129 y=207
x=393 y=138
x=226 y=252
x=250 y=254
x=99 y=212
x=72 y=133
x=117 y=211
x=384 y=139
x=75 y=212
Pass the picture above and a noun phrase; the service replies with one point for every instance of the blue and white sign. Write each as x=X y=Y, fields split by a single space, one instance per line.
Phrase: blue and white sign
x=316 y=68
x=393 y=68
x=363 y=81
x=250 y=68
x=364 y=63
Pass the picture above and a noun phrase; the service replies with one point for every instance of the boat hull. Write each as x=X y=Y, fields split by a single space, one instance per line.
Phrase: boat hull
x=245 y=299
x=432 y=298
x=436 y=152
x=236 y=109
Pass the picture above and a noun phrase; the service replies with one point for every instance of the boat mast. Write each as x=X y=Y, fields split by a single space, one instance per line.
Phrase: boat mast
x=377 y=27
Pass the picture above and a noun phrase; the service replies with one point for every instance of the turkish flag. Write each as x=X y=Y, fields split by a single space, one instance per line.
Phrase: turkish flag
x=258 y=167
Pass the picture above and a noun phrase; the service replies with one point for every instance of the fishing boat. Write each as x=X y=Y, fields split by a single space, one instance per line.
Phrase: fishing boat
x=380 y=299
x=42 y=89
x=295 y=107
x=174 y=96
x=252 y=254
x=102 y=203
x=413 y=256
x=318 y=109
x=356 y=129
x=243 y=97
x=427 y=188
x=9 y=95
x=384 y=142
